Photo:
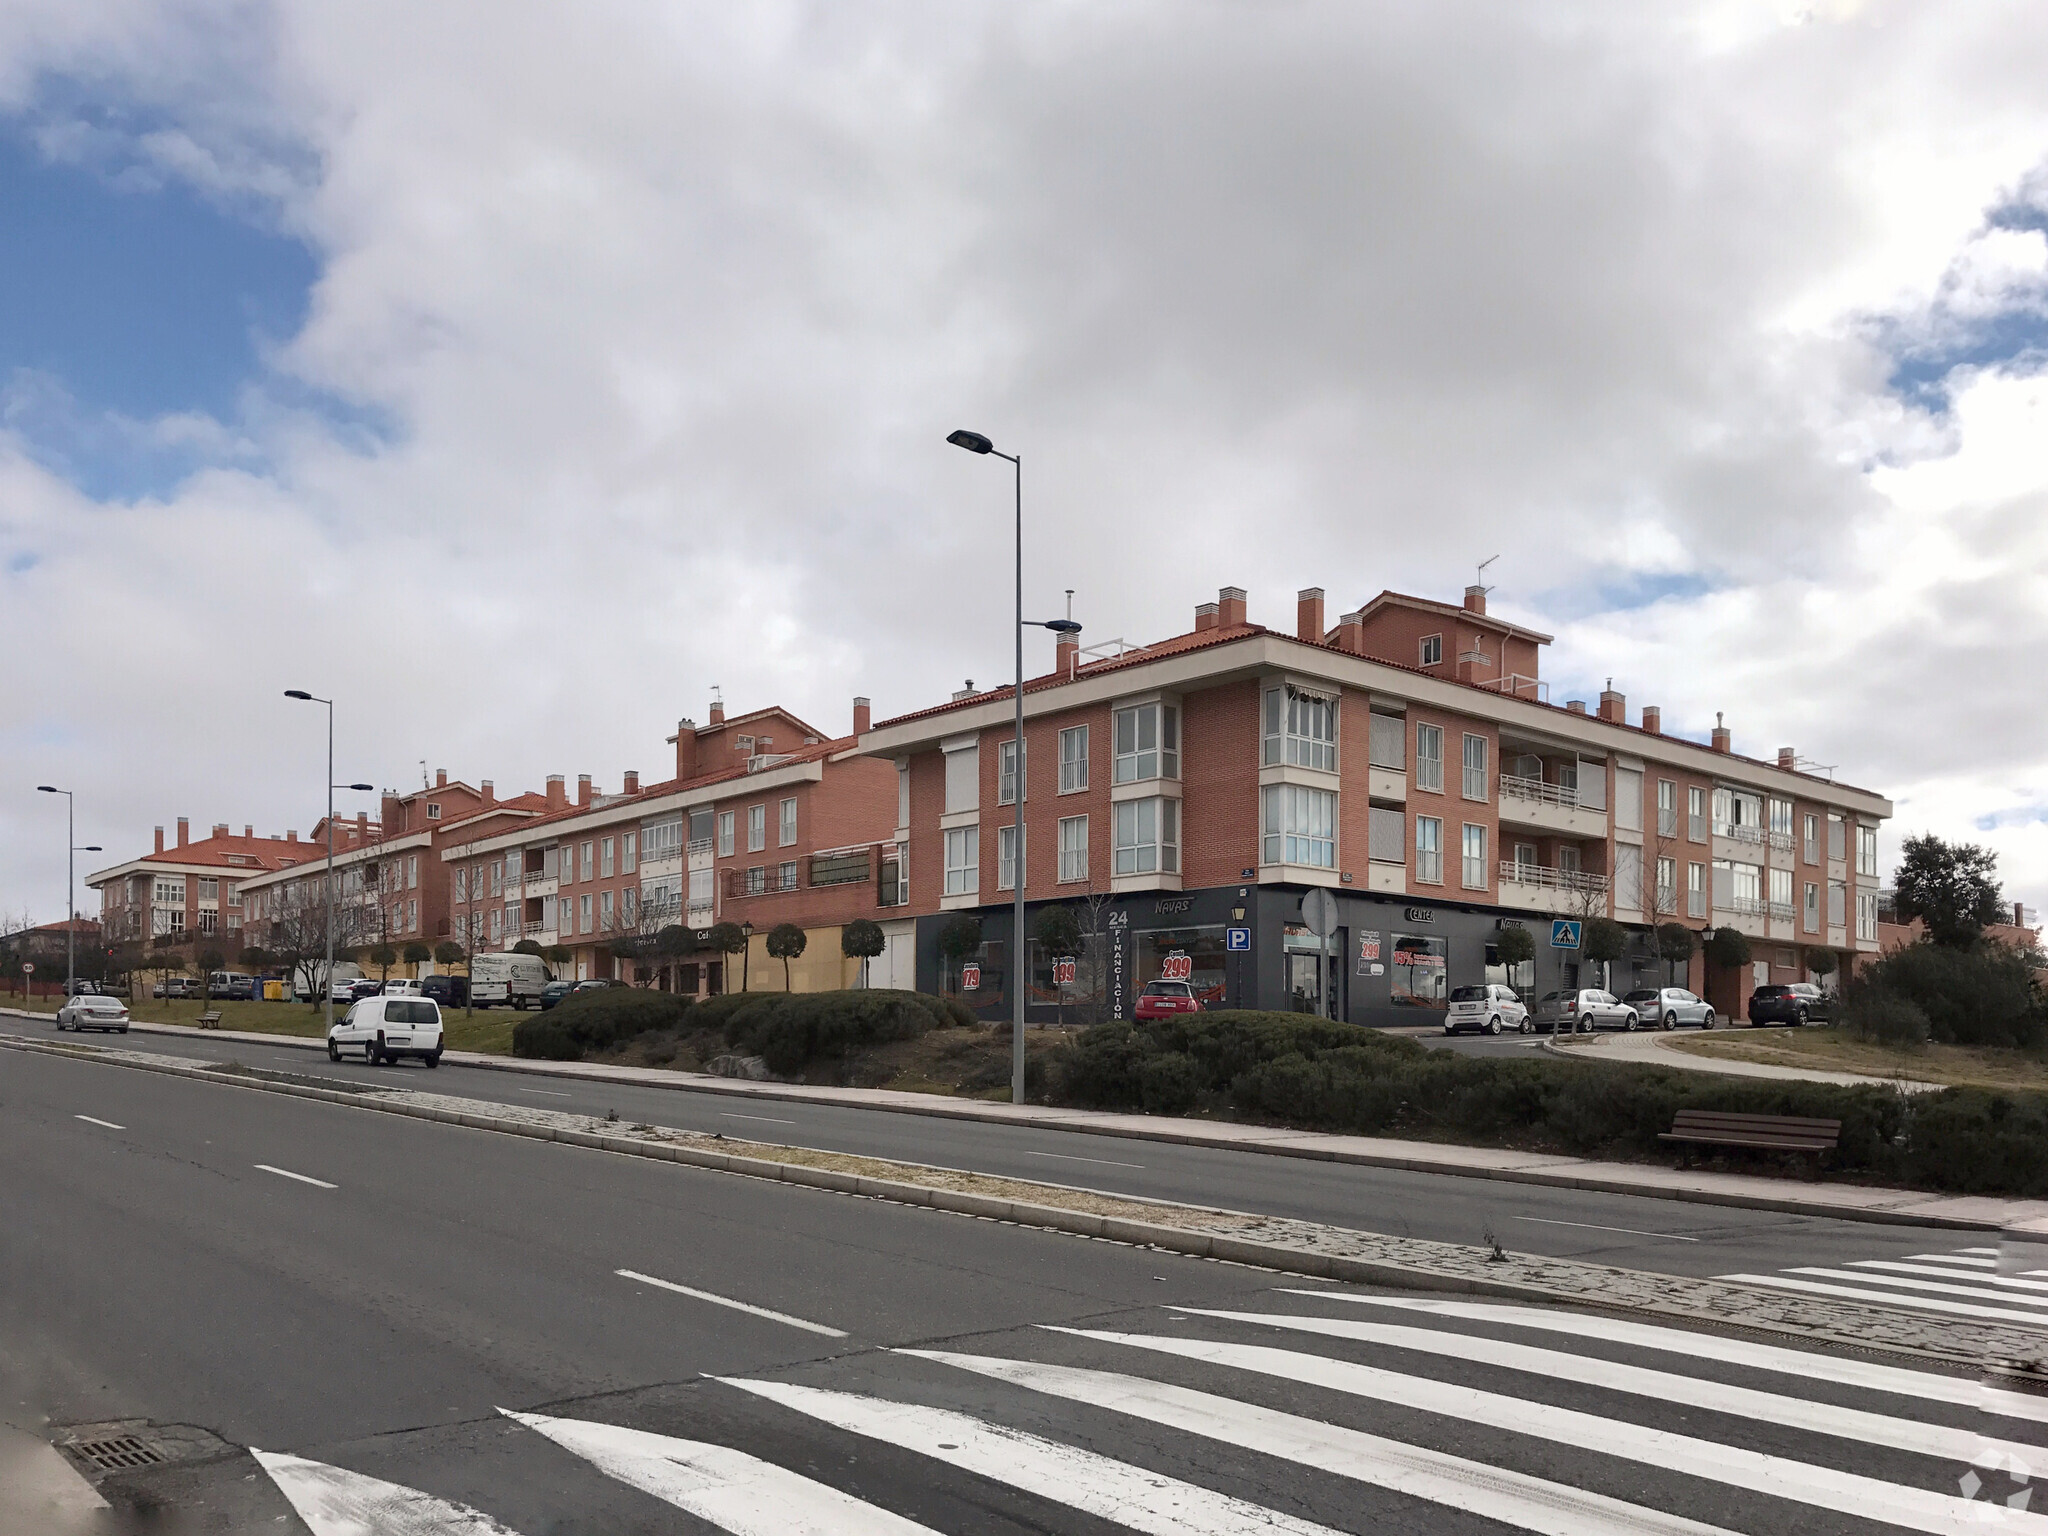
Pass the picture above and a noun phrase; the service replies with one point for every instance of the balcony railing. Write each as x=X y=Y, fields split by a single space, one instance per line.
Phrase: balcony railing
x=699 y=845
x=1577 y=880
x=1520 y=686
x=1514 y=786
x=1745 y=906
x=1783 y=911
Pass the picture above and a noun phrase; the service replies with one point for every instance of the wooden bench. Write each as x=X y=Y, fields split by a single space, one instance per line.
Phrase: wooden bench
x=210 y=1020
x=1762 y=1133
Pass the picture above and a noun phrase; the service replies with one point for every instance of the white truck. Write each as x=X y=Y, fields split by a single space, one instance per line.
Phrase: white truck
x=506 y=978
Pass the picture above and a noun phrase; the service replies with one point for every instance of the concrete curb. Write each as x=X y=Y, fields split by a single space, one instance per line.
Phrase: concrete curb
x=1790 y=1203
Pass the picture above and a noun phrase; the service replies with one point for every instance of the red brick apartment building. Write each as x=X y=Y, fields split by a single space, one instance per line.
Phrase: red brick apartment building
x=191 y=890
x=1410 y=760
x=765 y=821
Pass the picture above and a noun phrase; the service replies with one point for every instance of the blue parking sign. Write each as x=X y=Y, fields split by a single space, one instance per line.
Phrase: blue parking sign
x=1237 y=938
x=1564 y=933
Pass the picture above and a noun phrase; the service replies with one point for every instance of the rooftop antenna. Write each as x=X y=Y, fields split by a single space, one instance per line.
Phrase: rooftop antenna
x=1480 y=582
x=717 y=697
x=423 y=773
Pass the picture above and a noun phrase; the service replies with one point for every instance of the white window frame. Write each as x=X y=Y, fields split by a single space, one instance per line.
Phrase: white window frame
x=608 y=858
x=1695 y=890
x=1387 y=835
x=1387 y=741
x=1429 y=651
x=1474 y=765
x=1073 y=849
x=1429 y=766
x=583 y=908
x=412 y=872
x=629 y=853
x=1006 y=842
x=1298 y=825
x=462 y=884
x=1299 y=728
x=1696 y=813
x=1473 y=851
x=1866 y=851
x=725 y=834
x=1145 y=836
x=785 y=823
x=604 y=911
x=1429 y=850
x=757 y=828
x=1667 y=881
x=963 y=860
x=586 y=861
x=1073 y=760
x=963 y=779
x=1667 y=808
x=703 y=887
x=1138 y=762
x=786 y=875
x=1006 y=771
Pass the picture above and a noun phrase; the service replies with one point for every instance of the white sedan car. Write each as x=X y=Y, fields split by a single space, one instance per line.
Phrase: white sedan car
x=1671 y=1007
x=388 y=1028
x=1584 y=1010
x=91 y=1011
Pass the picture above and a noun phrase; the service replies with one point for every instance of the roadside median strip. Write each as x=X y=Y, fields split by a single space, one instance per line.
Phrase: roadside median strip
x=1284 y=1244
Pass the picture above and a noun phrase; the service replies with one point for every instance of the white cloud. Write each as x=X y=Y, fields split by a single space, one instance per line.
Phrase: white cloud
x=669 y=312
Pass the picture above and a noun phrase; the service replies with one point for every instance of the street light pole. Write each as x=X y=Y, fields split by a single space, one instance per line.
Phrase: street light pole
x=70 y=885
x=327 y=977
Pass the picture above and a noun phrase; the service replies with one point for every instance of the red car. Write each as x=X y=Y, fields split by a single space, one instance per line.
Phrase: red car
x=1163 y=998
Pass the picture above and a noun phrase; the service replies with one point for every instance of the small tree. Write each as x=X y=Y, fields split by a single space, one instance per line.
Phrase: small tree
x=1822 y=963
x=448 y=952
x=1950 y=887
x=785 y=942
x=557 y=955
x=730 y=939
x=1515 y=945
x=206 y=962
x=417 y=954
x=1727 y=949
x=528 y=947
x=1674 y=946
x=255 y=958
x=960 y=938
x=862 y=940
x=383 y=956
x=1603 y=941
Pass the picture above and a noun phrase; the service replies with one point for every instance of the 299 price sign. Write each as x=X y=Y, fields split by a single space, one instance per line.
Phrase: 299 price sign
x=1176 y=967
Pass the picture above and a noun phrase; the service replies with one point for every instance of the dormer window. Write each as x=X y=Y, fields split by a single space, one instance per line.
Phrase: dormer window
x=1432 y=650
x=433 y=810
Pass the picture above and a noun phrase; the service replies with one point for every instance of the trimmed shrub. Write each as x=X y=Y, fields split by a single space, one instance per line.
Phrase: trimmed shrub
x=542 y=1038
x=1981 y=996
x=789 y=1029
x=1871 y=1013
x=610 y=1016
x=1169 y=1083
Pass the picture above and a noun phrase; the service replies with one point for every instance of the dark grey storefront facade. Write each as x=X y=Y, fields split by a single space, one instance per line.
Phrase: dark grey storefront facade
x=1392 y=961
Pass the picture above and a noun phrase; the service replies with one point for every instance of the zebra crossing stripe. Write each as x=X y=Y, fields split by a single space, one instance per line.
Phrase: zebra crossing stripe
x=335 y=1502
x=1514 y=1499
x=1975 y=1290
x=1847 y=1493
x=1964 y=1392
x=1890 y=1298
x=1696 y=1392
x=1097 y=1485
x=2007 y=1282
x=730 y=1489
x=1966 y=1257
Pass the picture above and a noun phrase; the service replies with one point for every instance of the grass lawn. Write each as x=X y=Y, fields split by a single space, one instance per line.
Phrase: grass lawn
x=1835 y=1050
x=489 y=1031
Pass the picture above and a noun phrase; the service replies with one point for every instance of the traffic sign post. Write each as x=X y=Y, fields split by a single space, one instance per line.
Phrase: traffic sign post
x=1237 y=939
x=1319 y=912
x=1564 y=933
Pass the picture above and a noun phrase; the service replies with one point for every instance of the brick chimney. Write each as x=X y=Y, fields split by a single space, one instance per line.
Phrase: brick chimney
x=292 y=836
x=864 y=713
x=632 y=782
x=1788 y=759
x=717 y=712
x=1612 y=705
x=489 y=791
x=1066 y=655
x=248 y=831
x=1576 y=707
x=1230 y=607
x=558 y=796
x=685 y=739
x=1308 y=615
x=440 y=778
x=362 y=828
x=583 y=789
x=388 y=816
x=159 y=839
x=184 y=830
x=1475 y=599
x=1724 y=739
x=1653 y=719
x=220 y=829
x=1205 y=616
x=1351 y=633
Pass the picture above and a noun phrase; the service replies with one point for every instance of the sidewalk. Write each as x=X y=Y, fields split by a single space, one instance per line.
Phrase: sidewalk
x=1654 y=1048
x=1849 y=1202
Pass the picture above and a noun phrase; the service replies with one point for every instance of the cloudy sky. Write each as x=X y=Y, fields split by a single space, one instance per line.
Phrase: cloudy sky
x=517 y=372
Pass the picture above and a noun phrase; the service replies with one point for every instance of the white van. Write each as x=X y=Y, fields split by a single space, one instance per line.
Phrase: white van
x=387 y=1028
x=506 y=978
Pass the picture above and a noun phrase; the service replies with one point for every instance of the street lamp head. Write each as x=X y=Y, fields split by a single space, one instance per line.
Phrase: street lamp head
x=973 y=442
x=1063 y=626
x=92 y=848
x=49 y=789
x=358 y=786
x=298 y=693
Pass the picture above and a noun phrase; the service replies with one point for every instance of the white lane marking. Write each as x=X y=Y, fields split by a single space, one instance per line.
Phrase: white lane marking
x=1132 y=1497
x=1974 y=1291
x=1890 y=1298
x=1953 y=1258
x=1513 y=1498
x=286 y=1173
x=1964 y=1392
x=727 y=1301
x=734 y=1491
x=2007 y=1281
x=1669 y=1386
x=764 y=1119
x=1067 y=1157
x=334 y=1502
x=549 y=1092
x=1547 y=1221
x=94 y=1120
x=1802 y=1482
x=1992 y=1251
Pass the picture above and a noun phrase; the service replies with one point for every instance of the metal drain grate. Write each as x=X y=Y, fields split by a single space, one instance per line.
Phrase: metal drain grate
x=118 y=1454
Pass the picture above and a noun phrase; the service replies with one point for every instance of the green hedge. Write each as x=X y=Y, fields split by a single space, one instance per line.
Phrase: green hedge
x=1981 y=996
x=1319 y=1075
x=596 y=1021
x=789 y=1029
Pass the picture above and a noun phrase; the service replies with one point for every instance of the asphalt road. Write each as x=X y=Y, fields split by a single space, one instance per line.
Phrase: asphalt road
x=362 y=1295
x=1634 y=1231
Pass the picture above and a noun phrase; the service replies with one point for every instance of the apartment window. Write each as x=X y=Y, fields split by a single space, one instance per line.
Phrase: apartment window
x=725 y=819
x=583 y=913
x=1429 y=850
x=1812 y=922
x=209 y=921
x=1695 y=890
x=1838 y=846
x=1147 y=743
x=1838 y=903
x=497 y=924
x=1073 y=848
x=1628 y=799
x=234 y=893
x=1781 y=823
x=757 y=879
x=604 y=911
x=785 y=876
x=462 y=885
x=209 y=889
x=177 y=920
x=1628 y=877
x=963 y=780
x=1147 y=837
x=1866 y=851
x=412 y=916
x=514 y=865
x=547 y=912
x=1431 y=650
x=412 y=871
x=1866 y=914
x=1667 y=881
x=1385 y=843
x=1810 y=825
x=699 y=835
x=1387 y=738
x=1475 y=767
x=963 y=860
x=1781 y=892
x=1667 y=808
x=1006 y=773
x=608 y=859
x=629 y=860
x=170 y=893
x=1429 y=757
x=1696 y=813
x=586 y=861
x=1073 y=759
x=497 y=878
x=757 y=828
x=1525 y=857
x=1475 y=857
x=702 y=886
x=1300 y=826
x=1301 y=729
x=1006 y=857
x=785 y=824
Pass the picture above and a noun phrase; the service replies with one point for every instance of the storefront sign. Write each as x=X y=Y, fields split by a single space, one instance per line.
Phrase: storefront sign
x=1174 y=904
x=1119 y=962
x=970 y=977
x=1176 y=967
x=1418 y=915
x=1368 y=951
x=1063 y=973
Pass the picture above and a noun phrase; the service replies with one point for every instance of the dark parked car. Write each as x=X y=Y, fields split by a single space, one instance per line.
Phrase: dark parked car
x=448 y=991
x=1790 y=1002
x=554 y=992
x=362 y=987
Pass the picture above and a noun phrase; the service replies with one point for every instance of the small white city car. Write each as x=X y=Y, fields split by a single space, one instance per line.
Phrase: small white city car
x=388 y=1028
x=89 y=1011
x=1487 y=1008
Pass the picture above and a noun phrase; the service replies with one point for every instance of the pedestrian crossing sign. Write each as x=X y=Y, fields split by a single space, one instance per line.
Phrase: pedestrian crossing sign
x=1564 y=933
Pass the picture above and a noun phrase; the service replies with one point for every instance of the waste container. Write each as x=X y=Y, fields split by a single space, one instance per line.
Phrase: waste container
x=273 y=991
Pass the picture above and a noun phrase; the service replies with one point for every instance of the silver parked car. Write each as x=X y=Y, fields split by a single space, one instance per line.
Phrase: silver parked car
x=91 y=1010
x=1586 y=1009
x=1670 y=1006
x=1488 y=1008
